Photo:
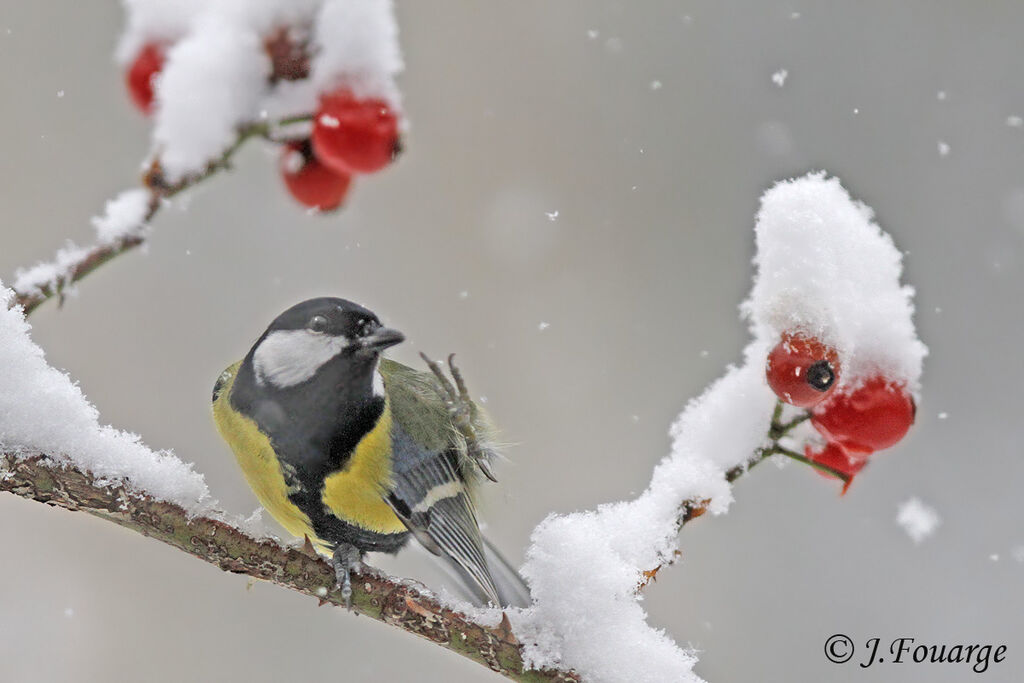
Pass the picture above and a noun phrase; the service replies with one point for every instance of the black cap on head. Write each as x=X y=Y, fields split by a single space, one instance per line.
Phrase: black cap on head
x=330 y=315
x=322 y=335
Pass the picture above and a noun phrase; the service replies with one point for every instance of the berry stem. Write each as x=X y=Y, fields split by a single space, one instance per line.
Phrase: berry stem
x=845 y=478
x=297 y=118
x=776 y=431
x=691 y=509
x=780 y=429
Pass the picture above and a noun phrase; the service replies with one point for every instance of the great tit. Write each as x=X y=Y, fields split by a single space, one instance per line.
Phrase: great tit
x=357 y=452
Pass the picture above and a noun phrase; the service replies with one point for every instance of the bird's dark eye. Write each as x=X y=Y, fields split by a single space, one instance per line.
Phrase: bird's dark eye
x=368 y=327
x=820 y=375
x=317 y=323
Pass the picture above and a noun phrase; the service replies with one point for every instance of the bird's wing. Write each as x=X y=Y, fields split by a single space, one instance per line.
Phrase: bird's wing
x=432 y=500
x=430 y=492
x=512 y=590
x=418 y=406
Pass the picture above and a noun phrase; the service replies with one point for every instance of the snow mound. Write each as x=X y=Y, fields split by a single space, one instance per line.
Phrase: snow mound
x=41 y=409
x=823 y=268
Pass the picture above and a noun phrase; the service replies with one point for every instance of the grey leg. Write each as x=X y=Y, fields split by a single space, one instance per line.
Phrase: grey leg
x=346 y=558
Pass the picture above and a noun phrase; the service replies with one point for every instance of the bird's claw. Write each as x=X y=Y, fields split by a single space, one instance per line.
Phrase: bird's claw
x=345 y=560
x=485 y=466
x=461 y=410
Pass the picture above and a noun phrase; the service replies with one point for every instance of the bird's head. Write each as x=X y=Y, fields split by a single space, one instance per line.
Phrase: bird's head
x=333 y=339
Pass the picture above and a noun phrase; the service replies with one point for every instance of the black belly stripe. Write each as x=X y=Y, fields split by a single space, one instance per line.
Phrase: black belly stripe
x=365 y=540
x=313 y=452
x=334 y=531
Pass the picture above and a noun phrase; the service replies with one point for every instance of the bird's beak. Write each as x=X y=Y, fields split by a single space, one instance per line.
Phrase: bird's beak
x=381 y=339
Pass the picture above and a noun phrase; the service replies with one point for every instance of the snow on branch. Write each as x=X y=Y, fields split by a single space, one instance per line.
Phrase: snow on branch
x=54 y=450
x=220 y=73
x=826 y=270
x=42 y=409
x=222 y=70
x=123 y=226
x=216 y=74
x=38 y=477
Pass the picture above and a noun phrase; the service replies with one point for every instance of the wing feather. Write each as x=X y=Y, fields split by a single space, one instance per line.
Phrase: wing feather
x=432 y=485
x=431 y=498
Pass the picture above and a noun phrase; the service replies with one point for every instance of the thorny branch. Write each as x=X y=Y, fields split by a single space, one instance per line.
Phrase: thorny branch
x=160 y=191
x=376 y=595
x=41 y=478
x=390 y=600
x=691 y=509
x=399 y=603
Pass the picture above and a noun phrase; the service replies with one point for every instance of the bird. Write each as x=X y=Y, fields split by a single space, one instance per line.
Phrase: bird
x=356 y=452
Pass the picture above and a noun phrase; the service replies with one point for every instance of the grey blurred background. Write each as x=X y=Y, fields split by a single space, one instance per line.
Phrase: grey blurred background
x=651 y=129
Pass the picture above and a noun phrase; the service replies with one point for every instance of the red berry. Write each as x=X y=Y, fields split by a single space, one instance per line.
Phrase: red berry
x=140 y=74
x=873 y=417
x=836 y=457
x=310 y=182
x=354 y=136
x=801 y=370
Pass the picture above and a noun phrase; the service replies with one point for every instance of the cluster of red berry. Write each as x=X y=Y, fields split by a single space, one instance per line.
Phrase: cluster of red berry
x=350 y=135
x=878 y=413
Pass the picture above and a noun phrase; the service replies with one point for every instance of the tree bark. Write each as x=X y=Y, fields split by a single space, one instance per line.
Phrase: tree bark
x=44 y=479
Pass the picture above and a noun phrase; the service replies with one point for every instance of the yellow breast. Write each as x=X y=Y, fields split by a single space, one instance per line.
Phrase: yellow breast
x=356 y=493
x=259 y=464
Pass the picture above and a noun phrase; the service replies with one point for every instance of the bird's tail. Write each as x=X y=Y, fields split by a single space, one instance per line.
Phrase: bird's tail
x=512 y=590
x=510 y=587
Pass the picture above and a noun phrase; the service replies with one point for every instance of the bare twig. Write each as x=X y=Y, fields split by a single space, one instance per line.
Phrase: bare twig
x=691 y=509
x=40 y=478
x=160 y=190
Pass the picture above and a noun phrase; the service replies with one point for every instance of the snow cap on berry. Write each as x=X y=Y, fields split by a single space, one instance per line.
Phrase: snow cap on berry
x=213 y=81
x=826 y=270
x=154 y=21
x=217 y=71
x=356 y=44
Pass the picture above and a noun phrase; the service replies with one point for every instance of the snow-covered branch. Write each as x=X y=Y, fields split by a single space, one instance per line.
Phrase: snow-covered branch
x=210 y=537
x=832 y=325
x=125 y=222
x=214 y=75
x=398 y=603
x=54 y=449
x=830 y=321
x=828 y=378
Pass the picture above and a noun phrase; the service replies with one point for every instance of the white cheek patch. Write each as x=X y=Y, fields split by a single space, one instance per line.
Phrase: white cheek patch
x=289 y=357
x=378 y=384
